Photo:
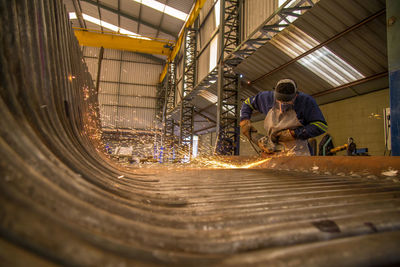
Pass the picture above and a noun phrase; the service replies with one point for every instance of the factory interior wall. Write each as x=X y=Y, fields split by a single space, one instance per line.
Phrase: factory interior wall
x=206 y=144
x=359 y=117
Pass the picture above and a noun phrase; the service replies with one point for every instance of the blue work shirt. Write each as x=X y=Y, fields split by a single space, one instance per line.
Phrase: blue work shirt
x=307 y=111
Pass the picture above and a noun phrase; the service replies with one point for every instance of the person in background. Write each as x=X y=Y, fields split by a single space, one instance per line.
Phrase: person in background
x=291 y=118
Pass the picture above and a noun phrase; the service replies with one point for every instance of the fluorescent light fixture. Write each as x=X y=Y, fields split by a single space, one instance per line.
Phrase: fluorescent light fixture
x=112 y=27
x=164 y=9
x=322 y=62
x=213 y=53
x=208 y=96
x=72 y=15
x=217 y=10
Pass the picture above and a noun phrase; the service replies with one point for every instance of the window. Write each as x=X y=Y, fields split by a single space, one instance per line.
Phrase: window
x=195 y=145
x=213 y=53
x=217 y=13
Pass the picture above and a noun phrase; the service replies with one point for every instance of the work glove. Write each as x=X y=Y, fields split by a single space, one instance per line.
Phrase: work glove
x=247 y=128
x=266 y=145
x=283 y=136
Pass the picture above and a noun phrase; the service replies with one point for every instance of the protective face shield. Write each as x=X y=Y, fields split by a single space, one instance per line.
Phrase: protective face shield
x=283 y=106
x=285 y=94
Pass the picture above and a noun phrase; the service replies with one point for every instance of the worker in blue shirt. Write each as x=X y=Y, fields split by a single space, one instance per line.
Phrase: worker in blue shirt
x=291 y=118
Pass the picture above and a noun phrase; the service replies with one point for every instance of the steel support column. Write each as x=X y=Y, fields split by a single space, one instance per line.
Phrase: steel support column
x=393 y=40
x=228 y=135
x=189 y=77
x=169 y=136
x=99 y=68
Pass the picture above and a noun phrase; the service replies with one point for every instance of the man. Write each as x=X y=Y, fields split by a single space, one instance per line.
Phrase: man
x=291 y=118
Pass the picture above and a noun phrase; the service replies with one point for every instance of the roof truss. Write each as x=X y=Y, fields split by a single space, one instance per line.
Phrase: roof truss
x=125 y=15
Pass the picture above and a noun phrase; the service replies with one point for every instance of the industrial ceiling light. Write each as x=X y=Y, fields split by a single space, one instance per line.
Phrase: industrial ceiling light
x=164 y=9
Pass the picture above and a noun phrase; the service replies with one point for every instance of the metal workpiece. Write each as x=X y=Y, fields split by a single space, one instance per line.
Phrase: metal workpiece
x=64 y=202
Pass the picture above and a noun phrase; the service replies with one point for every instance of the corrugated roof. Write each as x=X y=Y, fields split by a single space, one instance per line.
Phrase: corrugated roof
x=134 y=16
x=362 y=48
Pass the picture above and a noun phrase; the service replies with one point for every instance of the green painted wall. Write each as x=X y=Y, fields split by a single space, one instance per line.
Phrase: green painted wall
x=358 y=117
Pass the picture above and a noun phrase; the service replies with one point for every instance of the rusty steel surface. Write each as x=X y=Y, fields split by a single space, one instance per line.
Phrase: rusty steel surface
x=63 y=202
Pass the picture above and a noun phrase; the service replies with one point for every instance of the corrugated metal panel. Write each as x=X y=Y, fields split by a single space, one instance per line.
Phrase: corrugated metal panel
x=107 y=116
x=110 y=70
x=140 y=73
x=364 y=48
x=108 y=88
x=182 y=5
x=112 y=54
x=165 y=36
x=109 y=17
x=135 y=118
x=130 y=7
x=207 y=29
x=256 y=12
x=109 y=99
x=138 y=90
x=179 y=69
x=89 y=9
x=203 y=65
x=367 y=52
x=147 y=31
x=110 y=3
x=178 y=92
x=129 y=24
x=69 y=6
x=172 y=24
x=262 y=61
x=206 y=8
x=322 y=62
x=92 y=66
x=91 y=51
x=127 y=55
x=150 y=15
x=137 y=101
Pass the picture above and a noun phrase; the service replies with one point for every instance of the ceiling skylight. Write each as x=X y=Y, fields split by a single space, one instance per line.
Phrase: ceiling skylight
x=208 y=96
x=164 y=9
x=322 y=62
x=112 y=27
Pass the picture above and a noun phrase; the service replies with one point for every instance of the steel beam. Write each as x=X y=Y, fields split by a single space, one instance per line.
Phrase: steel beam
x=168 y=121
x=393 y=40
x=228 y=109
x=122 y=42
x=189 y=23
x=78 y=12
x=99 y=68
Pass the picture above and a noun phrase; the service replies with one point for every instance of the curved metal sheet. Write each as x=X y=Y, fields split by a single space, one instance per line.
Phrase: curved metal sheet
x=64 y=202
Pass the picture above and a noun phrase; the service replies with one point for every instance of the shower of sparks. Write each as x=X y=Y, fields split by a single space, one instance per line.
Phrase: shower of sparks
x=220 y=164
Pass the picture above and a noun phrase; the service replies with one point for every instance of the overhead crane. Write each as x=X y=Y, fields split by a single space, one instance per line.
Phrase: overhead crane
x=124 y=42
